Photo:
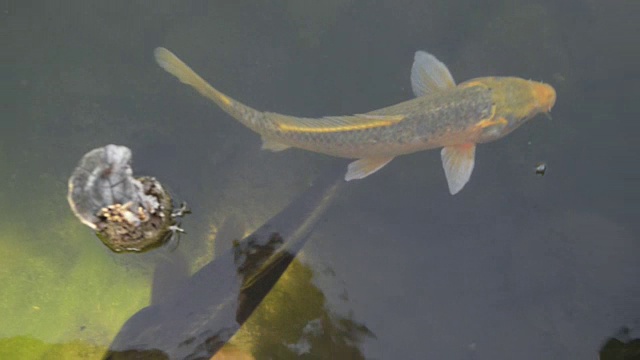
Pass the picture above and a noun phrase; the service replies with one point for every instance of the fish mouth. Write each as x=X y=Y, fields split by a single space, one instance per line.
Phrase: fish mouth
x=545 y=96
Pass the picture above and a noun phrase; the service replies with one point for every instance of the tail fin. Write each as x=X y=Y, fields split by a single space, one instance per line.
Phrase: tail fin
x=173 y=65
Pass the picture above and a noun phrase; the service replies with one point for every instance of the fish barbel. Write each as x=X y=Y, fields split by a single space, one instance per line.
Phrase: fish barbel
x=443 y=115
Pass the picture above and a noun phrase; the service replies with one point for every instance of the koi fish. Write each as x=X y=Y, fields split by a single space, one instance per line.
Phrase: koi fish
x=443 y=115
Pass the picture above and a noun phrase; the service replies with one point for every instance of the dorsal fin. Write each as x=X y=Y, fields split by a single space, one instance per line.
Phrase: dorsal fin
x=429 y=75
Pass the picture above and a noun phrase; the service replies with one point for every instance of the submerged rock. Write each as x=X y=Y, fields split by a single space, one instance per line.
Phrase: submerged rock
x=128 y=214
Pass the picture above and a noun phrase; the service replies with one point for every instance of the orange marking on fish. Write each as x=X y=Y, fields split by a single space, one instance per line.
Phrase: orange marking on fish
x=486 y=123
x=469 y=84
x=545 y=95
x=490 y=121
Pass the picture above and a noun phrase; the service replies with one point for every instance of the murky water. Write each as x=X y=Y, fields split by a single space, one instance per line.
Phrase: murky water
x=515 y=266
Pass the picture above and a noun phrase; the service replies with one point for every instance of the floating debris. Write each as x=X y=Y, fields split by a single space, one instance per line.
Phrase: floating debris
x=541 y=168
x=128 y=214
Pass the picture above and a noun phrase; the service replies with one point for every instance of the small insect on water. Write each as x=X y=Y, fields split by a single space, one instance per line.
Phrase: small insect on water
x=541 y=168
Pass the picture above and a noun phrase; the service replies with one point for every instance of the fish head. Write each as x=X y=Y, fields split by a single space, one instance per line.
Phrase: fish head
x=515 y=101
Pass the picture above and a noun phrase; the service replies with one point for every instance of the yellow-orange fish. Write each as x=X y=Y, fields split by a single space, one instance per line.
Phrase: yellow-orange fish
x=443 y=115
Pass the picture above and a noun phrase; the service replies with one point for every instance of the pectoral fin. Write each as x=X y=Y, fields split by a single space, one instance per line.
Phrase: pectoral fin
x=429 y=75
x=362 y=168
x=269 y=144
x=458 y=164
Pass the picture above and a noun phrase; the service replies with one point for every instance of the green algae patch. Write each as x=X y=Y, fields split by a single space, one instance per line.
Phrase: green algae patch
x=64 y=296
x=24 y=347
x=294 y=322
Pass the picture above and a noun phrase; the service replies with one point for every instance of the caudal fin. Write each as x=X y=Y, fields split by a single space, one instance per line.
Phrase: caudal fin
x=176 y=67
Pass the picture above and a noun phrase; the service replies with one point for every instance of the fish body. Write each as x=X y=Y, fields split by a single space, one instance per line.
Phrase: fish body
x=418 y=124
x=443 y=115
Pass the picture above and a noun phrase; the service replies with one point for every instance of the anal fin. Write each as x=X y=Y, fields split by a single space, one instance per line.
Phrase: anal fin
x=362 y=168
x=269 y=144
x=458 y=162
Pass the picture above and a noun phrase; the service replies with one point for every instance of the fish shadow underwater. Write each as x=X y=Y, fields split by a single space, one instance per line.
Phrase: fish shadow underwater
x=202 y=312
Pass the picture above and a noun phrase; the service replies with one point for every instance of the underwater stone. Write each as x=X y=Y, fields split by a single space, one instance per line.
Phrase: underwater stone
x=128 y=214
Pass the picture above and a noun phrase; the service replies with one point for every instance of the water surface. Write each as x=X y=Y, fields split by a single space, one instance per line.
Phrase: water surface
x=515 y=266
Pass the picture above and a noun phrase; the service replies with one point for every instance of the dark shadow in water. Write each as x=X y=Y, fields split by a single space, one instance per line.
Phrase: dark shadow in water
x=621 y=346
x=207 y=309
